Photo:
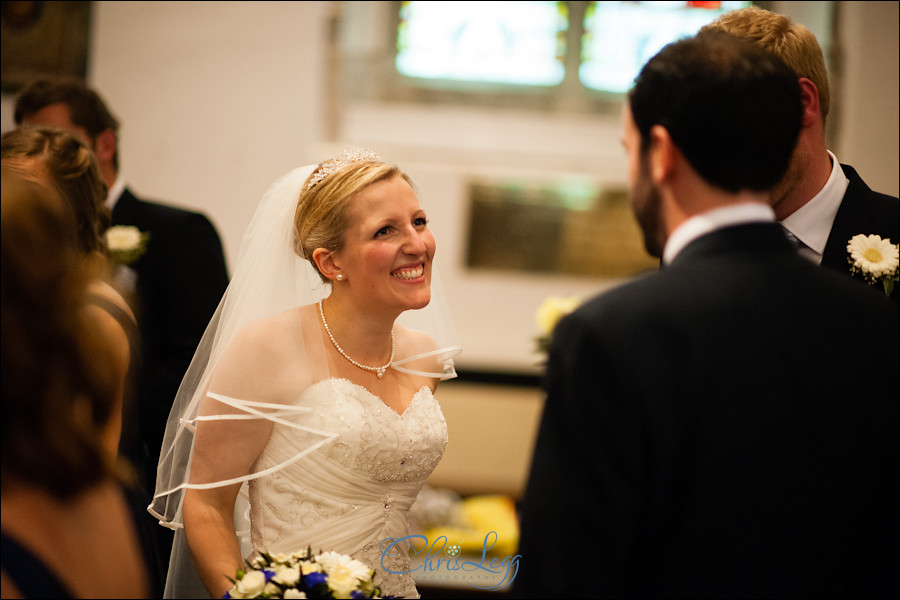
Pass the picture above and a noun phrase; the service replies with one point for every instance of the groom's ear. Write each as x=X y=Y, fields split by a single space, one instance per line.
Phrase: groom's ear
x=325 y=262
x=662 y=155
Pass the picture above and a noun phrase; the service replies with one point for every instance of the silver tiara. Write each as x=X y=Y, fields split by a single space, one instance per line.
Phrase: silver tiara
x=348 y=156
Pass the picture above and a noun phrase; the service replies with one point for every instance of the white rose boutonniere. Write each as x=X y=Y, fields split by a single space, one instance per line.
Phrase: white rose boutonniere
x=876 y=259
x=126 y=243
x=548 y=315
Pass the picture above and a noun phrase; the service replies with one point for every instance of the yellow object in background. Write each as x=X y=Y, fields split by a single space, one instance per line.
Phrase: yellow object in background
x=487 y=524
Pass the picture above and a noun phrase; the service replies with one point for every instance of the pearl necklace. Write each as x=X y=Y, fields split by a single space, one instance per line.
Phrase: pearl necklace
x=379 y=371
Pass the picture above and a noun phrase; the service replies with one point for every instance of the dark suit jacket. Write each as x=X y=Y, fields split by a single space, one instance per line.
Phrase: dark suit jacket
x=180 y=280
x=726 y=427
x=861 y=211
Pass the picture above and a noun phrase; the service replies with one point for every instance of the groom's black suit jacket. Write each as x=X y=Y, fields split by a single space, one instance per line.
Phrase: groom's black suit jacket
x=727 y=427
x=180 y=280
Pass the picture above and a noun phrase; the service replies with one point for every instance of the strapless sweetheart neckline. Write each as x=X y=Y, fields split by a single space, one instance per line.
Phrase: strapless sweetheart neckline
x=375 y=397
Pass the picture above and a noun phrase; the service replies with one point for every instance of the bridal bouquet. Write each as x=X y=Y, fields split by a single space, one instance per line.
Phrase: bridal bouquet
x=301 y=575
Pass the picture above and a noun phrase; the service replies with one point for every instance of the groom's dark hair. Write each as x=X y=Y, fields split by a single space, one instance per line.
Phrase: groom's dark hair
x=733 y=109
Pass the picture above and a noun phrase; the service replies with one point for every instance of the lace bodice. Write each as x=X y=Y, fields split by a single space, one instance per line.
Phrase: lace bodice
x=356 y=491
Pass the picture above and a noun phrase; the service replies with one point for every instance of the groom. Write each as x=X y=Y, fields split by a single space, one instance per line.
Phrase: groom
x=681 y=453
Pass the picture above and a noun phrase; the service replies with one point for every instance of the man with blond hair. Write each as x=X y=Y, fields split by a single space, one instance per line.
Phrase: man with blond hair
x=820 y=202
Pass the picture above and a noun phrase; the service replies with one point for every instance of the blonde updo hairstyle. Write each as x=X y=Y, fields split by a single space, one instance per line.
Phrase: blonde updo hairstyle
x=322 y=211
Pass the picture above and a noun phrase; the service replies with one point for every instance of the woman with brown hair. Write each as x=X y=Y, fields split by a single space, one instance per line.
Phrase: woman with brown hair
x=66 y=526
x=64 y=160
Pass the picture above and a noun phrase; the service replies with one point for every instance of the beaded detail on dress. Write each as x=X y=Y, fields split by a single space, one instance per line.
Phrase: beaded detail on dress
x=356 y=492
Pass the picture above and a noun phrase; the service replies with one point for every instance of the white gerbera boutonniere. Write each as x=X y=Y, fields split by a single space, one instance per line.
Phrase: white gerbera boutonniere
x=876 y=259
x=126 y=243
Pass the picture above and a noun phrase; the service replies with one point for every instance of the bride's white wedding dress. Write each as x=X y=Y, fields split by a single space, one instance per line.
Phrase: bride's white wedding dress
x=352 y=495
x=326 y=464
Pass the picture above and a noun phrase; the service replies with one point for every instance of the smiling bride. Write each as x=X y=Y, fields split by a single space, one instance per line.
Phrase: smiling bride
x=308 y=417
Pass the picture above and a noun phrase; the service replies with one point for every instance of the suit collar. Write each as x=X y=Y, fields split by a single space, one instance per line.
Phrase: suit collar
x=855 y=215
x=126 y=206
x=742 y=239
x=702 y=224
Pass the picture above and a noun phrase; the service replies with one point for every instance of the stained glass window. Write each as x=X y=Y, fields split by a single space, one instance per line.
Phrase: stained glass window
x=526 y=43
x=500 y=42
x=619 y=37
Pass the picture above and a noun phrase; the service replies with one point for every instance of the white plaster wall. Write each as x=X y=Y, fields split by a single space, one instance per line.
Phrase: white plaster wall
x=216 y=99
x=869 y=129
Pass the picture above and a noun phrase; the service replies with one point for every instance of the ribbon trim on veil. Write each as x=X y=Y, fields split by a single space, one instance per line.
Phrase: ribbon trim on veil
x=252 y=407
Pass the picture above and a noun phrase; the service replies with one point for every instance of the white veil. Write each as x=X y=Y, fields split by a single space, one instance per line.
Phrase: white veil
x=269 y=279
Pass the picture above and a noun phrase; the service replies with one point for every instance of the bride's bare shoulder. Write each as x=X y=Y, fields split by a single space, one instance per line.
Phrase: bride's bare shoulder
x=277 y=330
x=413 y=340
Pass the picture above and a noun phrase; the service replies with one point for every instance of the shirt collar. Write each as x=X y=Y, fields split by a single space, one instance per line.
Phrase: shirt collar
x=115 y=192
x=699 y=225
x=812 y=222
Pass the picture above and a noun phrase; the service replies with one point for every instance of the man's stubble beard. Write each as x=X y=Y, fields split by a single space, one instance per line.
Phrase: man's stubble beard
x=781 y=195
x=647 y=205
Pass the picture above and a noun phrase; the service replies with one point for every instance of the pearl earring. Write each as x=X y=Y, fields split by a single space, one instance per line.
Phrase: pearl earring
x=339 y=277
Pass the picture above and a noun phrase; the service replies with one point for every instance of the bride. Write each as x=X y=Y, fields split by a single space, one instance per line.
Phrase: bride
x=308 y=413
